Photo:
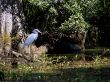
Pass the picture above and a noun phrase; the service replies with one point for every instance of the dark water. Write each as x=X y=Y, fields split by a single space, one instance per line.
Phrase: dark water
x=66 y=75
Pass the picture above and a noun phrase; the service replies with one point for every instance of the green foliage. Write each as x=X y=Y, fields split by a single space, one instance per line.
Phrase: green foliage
x=41 y=3
x=97 y=60
x=89 y=7
x=76 y=21
x=66 y=15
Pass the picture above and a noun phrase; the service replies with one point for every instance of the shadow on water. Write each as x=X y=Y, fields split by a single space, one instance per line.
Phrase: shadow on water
x=66 y=75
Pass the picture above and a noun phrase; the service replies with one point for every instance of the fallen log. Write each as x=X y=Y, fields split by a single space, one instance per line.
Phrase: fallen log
x=16 y=54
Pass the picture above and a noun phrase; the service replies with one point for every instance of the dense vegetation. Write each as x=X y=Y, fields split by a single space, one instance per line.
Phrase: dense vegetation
x=69 y=15
x=55 y=18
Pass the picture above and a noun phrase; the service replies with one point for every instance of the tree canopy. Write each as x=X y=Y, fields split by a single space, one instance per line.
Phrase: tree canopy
x=70 y=15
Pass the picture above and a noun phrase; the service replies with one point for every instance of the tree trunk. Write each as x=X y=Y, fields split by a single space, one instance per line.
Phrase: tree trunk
x=11 y=22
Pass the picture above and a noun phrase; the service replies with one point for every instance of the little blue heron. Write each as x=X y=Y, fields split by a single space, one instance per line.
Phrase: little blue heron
x=31 y=38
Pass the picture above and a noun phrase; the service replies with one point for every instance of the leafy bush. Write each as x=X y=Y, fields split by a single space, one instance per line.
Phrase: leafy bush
x=52 y=14
x=66 y=15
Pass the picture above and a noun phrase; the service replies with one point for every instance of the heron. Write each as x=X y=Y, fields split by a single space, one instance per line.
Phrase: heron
x=31 y=38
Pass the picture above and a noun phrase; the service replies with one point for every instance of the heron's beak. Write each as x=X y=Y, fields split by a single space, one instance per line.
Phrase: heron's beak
x=40 y=32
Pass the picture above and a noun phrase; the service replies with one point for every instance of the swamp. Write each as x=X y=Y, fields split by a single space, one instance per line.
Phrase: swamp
x=54 y=41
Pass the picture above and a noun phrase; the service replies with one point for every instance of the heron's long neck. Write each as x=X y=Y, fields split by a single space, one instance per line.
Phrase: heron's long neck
x=35 y=32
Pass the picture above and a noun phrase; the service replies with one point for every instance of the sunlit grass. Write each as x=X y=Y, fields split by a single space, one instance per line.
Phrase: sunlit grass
x=53 y=63
x=54 y=67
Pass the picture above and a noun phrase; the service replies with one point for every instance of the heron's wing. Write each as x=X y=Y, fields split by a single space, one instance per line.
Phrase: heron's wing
x=32 y=37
